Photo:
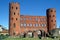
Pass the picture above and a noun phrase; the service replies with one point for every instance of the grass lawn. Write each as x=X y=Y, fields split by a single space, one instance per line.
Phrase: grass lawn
x=27 y=38
x=30 y=39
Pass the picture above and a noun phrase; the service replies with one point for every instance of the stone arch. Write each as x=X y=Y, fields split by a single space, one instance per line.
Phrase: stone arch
x=43 y=33
x=29 y=34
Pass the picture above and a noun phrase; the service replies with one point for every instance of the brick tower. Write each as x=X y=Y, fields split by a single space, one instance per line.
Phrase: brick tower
x=51 y=19
x=14 y=19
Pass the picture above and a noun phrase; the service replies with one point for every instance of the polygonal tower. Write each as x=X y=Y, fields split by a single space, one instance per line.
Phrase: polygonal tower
x=14 y=19
x=51 y=19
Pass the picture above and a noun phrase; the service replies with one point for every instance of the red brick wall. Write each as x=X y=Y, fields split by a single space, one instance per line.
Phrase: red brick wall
x=40 y=21
x=51 y=18
x=14 y=19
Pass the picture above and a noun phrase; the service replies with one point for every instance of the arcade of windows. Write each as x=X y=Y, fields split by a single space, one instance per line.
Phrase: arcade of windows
x=36 y=19
x=30 y=25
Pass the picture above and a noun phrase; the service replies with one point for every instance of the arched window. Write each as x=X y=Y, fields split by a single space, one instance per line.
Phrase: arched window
x=12 y=7
x=51 y=10
x=51 y=20
x=14 y=25
x=55 y=20
x=16 y=8
x=53 y=15
x=16 y=18
x=14 y=13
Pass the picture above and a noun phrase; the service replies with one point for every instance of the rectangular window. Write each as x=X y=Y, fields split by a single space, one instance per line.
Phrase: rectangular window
x=44 y=19
x=36 y=19
x=43 y=25
x=36 y=25
x=30 y=25
x=21 y=24
x=30 y=18
x=24 y=24
x=24 y=18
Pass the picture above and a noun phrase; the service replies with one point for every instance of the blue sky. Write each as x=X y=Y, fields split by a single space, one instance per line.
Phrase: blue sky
x=29 y=7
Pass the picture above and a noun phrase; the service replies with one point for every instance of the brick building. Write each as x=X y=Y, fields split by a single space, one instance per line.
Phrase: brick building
x=20 y=24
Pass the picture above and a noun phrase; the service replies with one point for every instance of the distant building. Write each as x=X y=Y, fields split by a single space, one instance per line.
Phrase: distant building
x=3 y=31
x=0 y=28
x=58 y=31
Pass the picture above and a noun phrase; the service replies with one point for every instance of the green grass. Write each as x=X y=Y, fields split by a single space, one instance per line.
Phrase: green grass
x=30 y=39
x=20 y=38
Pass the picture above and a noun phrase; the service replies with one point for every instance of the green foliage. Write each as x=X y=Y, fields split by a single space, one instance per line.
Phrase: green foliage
x=3 y=36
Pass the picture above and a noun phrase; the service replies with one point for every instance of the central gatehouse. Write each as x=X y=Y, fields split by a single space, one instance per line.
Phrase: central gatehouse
x=30 y=25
